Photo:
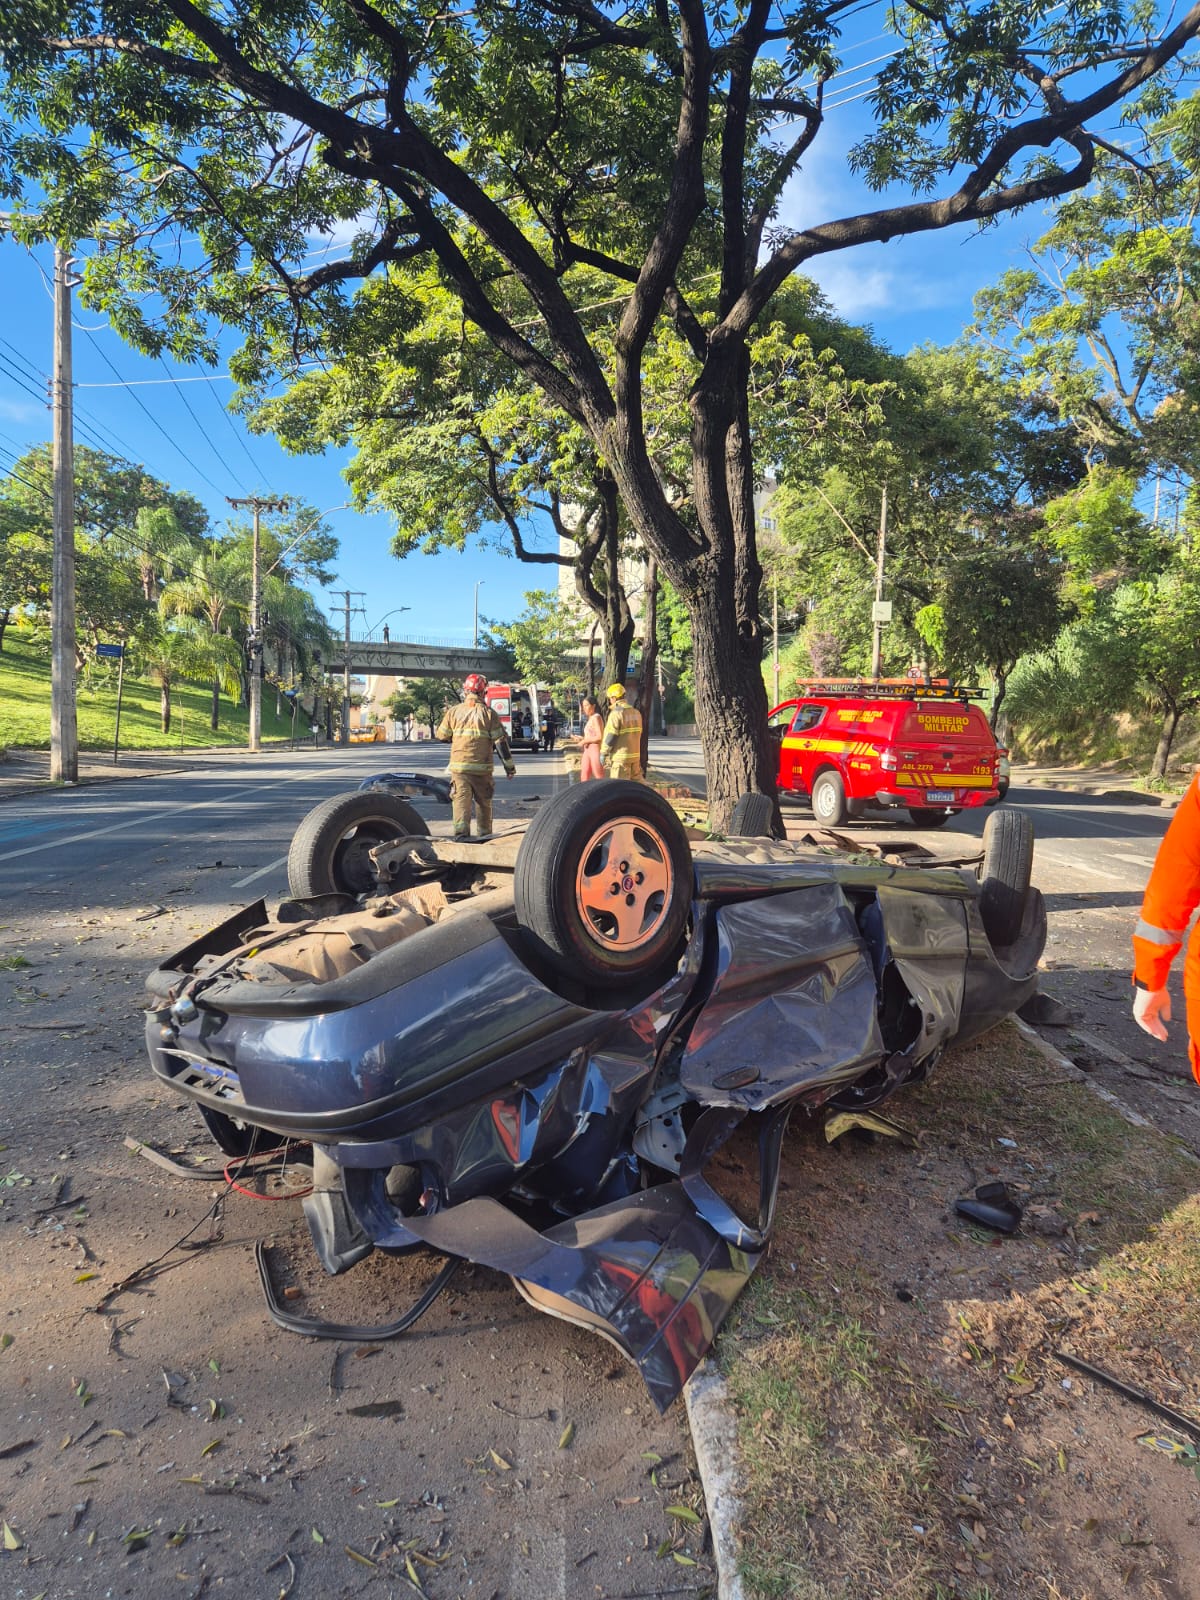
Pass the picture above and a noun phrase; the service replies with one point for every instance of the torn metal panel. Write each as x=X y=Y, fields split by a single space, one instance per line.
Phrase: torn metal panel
x=793 y=1001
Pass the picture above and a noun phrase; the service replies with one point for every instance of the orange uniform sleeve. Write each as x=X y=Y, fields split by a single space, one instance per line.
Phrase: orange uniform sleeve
x=1172 y=894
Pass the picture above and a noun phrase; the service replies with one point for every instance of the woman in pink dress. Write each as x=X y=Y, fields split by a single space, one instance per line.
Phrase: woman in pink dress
x=593 y=732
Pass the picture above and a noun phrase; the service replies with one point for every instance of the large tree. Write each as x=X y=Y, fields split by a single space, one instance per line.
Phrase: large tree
x=517 y=145
x=1103 y=321
x=967 y=461
x=458 y=447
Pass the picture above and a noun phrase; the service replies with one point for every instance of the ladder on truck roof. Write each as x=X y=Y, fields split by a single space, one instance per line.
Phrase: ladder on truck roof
x=887 y=689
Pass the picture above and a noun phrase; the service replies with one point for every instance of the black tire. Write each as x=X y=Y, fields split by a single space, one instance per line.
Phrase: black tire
x=1005 y=873
x=328 y=854
x=829 y=799
x=930 y=819
x=753 y=817
x=569 y=882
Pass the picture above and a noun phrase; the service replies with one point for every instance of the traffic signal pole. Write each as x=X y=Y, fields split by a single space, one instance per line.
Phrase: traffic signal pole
x=257 y=505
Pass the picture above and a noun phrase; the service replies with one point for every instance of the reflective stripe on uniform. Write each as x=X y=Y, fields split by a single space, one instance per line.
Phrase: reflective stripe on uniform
x=1152 y=935
x=623 y=733
x=472 y=729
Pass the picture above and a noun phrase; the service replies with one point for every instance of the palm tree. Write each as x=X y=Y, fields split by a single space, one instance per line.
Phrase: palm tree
x=169 y=656
x=210 y=591
x=156 y=542
x=295 y=634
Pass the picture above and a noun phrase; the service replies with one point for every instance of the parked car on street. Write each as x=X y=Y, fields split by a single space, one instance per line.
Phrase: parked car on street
x=369 y=733
x=526 y=1053
x=851 y=743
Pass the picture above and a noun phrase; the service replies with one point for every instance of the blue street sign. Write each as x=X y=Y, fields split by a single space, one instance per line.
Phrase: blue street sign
x=110 y=649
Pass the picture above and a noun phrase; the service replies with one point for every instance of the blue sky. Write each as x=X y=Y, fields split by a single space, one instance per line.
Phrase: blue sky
x=909 y=290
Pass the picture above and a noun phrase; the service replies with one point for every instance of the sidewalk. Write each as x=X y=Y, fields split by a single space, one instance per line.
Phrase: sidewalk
x=1109 y=782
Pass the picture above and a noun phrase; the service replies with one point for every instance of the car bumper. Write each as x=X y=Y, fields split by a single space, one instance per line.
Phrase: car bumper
x=936 y=799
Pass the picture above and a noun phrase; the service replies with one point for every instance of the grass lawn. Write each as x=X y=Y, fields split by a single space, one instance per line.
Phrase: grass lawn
x=907 y=1430
x=25 y=707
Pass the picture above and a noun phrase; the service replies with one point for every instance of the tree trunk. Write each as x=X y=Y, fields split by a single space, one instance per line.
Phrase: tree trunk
x=1001 y=681
x=164 y=704
x=1166 y=738
x=607 y=599
x=731 y=711
x=215 y=713
x=649 y=660
x=5 y=619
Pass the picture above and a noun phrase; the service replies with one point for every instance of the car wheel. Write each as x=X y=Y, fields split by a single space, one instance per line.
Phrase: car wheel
x=829 y=800
x=329 y=849
x=603 y=882
x=1005 y=873
x=753 y=817
x=929 y=819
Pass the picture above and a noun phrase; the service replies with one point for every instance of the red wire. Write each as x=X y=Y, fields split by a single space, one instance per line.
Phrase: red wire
x=242 y=1161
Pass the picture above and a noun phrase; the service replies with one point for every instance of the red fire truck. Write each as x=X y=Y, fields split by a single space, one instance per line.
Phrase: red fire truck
x=850 y=742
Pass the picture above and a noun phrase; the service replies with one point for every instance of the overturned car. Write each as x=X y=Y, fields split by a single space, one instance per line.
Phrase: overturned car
x=525 y=1053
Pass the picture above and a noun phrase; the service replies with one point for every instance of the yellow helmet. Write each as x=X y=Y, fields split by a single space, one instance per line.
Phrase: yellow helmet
x=616 y=691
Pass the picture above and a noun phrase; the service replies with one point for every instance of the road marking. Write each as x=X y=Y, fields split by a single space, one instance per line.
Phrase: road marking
x=261 y=873
x=1088 y=871
x=139 y=821
x=1058 y=811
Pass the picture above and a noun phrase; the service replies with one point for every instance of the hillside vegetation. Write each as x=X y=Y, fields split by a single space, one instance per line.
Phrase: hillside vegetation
x=25 y=707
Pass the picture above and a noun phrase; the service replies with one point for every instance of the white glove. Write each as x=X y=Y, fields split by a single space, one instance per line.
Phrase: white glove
x=1152 y=1011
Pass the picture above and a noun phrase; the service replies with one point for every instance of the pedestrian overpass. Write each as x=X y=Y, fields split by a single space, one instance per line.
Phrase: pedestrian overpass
x=413 y=658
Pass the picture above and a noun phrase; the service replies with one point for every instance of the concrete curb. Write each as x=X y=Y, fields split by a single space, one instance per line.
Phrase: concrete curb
x=1077 y=1075
x=714 y=1439
x=1121 y=797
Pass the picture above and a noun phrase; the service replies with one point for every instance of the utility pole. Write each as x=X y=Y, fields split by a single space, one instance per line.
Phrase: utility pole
x=64 y=736
x=775 y=633
x=258 y=504
x=347 y=595
x=877 y=609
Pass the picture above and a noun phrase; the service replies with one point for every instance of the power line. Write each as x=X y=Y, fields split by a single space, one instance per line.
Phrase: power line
x=187 y=405
x=15 y=377
x=152 y=418
x=33 y=371
x=246 y=448
x=83 y=419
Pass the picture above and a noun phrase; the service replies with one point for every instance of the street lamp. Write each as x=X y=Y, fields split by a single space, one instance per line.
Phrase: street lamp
x=304 y=532
x=393 y=612
x=477 y=613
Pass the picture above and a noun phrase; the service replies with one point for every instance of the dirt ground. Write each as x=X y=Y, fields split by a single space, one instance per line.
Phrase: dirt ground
x=168 y=1439
x=907 y=1427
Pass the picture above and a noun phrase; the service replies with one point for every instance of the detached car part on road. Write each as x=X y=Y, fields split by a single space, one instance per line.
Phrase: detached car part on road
x=526 y=1054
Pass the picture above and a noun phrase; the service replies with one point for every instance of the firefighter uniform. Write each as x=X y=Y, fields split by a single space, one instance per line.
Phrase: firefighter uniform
x=474 y=731
x=1172 y=894
x=621 y=746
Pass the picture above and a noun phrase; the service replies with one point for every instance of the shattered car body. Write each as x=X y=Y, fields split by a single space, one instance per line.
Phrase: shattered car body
x=491 y=1090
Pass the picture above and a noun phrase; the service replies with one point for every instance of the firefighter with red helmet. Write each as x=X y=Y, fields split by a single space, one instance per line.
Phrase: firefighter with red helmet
x=474 y=732
x=1172 y=894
